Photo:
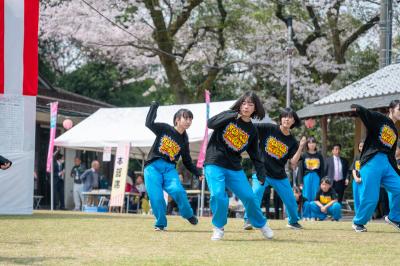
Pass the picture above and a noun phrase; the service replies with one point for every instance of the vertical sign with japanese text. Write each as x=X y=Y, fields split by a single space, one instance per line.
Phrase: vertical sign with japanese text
x=119 y=178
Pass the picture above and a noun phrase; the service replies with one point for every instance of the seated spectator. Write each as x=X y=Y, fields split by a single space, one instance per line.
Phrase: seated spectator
x=303 y=205
x=326 y=202
x=139 y=184
x=129 y=183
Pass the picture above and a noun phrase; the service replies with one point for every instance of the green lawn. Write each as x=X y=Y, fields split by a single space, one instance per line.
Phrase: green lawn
x=75 y=238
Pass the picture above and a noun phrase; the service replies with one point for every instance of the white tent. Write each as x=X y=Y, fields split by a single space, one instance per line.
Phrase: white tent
x=109 y=126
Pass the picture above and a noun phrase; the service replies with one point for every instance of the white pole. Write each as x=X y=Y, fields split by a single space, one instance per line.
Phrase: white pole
x=289 y=61
x=203 y=187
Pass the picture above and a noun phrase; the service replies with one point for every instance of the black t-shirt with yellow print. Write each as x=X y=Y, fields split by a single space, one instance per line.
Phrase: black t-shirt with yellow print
x=312 y=162
x=276 y=149
x=169 y=144
x=356 y=165
x=381 y=135
x=326 y=197
x=231 y=137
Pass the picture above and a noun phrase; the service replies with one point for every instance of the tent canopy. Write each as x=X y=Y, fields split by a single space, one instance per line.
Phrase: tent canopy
x=109 y=126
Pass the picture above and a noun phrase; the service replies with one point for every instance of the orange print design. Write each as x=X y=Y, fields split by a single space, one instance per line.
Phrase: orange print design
x=235 y=137
x=387 y=136
x=312 y=163
x=276 y=148
x=169 y=147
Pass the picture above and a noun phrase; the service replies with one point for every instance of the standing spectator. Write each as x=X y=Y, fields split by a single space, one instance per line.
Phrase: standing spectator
x=76 y=174
x=90 y=179
x=355 y=172
x=326 y=202
x=336 y=170
x=310 y=170
x=58 y=174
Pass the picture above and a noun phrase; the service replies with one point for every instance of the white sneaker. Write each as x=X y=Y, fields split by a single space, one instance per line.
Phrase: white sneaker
x=267 y=231
x=218 y=234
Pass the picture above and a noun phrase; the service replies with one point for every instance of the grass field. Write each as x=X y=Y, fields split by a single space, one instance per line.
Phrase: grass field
x=66 y=238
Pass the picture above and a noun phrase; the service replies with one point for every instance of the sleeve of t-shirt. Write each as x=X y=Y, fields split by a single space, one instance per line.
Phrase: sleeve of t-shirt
x=293 y=150
x=157 y=128
x=221 y=119
x=318 y=195
x=187 y=159
x=255 y=156
x=321 y=165
x=368 y=117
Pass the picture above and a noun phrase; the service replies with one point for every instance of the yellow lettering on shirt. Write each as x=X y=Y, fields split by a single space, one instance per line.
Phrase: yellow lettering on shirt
x=325 y=199
x=235 y=137
x=357 y=165
x=169 y=147
x=312 y=163
x=276 y=148
x=387 y=136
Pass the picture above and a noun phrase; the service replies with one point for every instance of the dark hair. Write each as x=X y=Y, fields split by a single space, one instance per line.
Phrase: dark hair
x=259 y=111
x=311 y=140
x=326 y=180
x=186 y=113
x=289 y=112
x=58 y=156
x=393 y=104
x=337 y=145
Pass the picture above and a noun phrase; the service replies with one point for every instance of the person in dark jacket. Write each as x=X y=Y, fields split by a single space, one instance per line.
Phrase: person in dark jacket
x=234 y=133
x=378 y=164
x=336 y=169
x=160 y=172
x=4 y=163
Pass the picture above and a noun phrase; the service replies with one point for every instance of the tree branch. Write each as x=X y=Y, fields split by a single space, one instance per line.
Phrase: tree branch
x=183 y=17
x=360 y=31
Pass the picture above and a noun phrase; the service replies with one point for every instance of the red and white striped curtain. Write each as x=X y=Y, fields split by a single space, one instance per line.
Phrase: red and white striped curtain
x=18 y=90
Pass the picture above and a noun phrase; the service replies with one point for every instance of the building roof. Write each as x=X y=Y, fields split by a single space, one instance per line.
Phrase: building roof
x=374 y=91
x=69 y=103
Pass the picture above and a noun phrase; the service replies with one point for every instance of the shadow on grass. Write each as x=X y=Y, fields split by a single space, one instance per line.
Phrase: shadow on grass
x=32 y=260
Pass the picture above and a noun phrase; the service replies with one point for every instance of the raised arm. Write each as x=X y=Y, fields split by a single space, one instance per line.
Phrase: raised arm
x=221 y=119
x=151 y=117
x=296 y=156
x=366 y=116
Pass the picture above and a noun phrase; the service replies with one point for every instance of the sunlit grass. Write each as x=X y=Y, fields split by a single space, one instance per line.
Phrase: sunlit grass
x=75 y=238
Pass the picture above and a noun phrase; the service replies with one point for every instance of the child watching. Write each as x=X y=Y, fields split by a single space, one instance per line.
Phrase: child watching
x=326 y=202
x=303 y=204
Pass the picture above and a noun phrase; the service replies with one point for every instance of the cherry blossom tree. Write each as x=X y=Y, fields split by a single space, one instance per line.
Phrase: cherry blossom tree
x=193 y=45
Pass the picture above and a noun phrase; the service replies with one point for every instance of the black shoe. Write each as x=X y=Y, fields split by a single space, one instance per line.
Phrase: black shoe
x=359 y=228
x=193 y=220
x=295 y=226
x=392 y=223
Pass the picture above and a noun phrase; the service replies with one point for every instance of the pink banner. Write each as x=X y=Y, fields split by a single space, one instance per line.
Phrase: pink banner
x=53 y=127
x=202 y=154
